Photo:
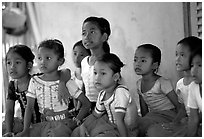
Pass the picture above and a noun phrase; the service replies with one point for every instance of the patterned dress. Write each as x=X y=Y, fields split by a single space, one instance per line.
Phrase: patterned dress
x=56 y=115
x=15 y=95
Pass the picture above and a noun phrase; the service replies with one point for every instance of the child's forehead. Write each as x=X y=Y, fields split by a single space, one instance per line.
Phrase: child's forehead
x=90 y=25
x=142 y=52
x=46 y=50
x=14 y=55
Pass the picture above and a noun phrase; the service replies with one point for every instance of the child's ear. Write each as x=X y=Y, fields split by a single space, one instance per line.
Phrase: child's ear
x=61 y=61
x=155 y=65
x=30 y=65
x=116 y=77
x=105 y=37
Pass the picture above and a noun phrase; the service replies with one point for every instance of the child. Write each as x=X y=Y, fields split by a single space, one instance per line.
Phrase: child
x=195 y=96
x=19 y=62
x=158 y=101
x=113 y=99
x=95 y=34
x=184 y=50
x=45 y=88
x=79 y=52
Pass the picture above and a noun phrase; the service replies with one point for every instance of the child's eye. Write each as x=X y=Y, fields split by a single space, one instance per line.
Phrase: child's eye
x=39 y=58
x=8 y=63
x=103 y=73
x=48 y=58
x=143 y=60
x=95 y=72
x=83 y=33
x=75 y=53
x=135 y=59
x=18 y=62
x=92 y=32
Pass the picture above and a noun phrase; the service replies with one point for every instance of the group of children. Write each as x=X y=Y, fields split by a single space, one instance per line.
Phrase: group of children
x=102 y=105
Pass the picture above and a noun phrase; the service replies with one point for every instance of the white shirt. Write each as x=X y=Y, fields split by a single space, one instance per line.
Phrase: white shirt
x=194 y=99
x=87 y=74
x=46 y=93
x=120 y=101
x=183 y=92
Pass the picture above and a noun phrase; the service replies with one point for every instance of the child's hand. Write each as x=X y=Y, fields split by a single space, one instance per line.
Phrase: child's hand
x=83 y=131
x=22 y=134
x=8 y=134
x=65 y=75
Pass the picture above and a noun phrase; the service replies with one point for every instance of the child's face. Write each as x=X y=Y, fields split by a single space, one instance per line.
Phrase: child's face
x=196 y=69
x=103 y=76
x=79 y=52
x=182 y=58
x=142 y=62
x=16 y=66
x=47 y=60
x=91 y=35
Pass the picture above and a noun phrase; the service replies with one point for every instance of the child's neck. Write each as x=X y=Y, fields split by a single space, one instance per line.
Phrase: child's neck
x=24 y=79
x=95 y=54
x=109 y=91
x=149 y=77
x=187 y=78
x=78 y=73
x=22 y=83
x=53 y=76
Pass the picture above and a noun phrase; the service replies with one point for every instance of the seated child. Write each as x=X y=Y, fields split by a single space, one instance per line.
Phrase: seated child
x=45 y=88
x=113 y=99
x=158 y=101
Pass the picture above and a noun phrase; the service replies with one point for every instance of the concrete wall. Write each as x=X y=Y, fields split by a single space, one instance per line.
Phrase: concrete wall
x=131 y=23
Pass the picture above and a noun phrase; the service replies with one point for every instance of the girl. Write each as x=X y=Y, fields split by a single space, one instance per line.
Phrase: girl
x=184 y=50
x=114 y=99
x=78 y=53
x=158 y=101
x=45 y=88
x=95 y=34
x=19 y=62
x=195 y=96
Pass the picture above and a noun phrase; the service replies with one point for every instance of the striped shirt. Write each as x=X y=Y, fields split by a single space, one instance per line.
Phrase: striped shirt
x=120 y=101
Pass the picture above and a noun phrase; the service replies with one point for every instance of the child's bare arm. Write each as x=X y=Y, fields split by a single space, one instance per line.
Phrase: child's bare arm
x=9 y=118
x=85 y=106
x=28 y=115
x=174 y=99
x=193 y=122
x=64 y=94
x=121 y=124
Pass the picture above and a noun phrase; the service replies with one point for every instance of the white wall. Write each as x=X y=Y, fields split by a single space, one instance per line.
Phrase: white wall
x=131 y=24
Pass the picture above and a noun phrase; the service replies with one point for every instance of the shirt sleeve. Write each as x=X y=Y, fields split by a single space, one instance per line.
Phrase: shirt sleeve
x=178 y=91
x=11 y=91
x=100 y=108
x=31 y=89
x=166 y=86
x=73 y=88
x=191 y=98
x=122 y=99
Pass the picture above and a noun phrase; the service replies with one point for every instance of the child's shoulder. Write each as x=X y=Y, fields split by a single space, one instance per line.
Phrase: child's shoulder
x=163 y=80
x=122 y=89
